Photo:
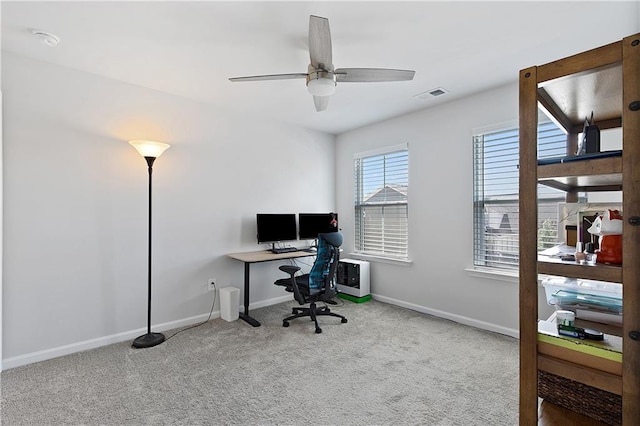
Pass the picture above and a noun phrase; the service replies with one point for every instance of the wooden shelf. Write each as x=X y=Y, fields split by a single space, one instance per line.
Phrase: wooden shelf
x=555 y=415
x=573 y=371
x=601 y=174
x=573 y=98
x=598 y=272
x=601 y=359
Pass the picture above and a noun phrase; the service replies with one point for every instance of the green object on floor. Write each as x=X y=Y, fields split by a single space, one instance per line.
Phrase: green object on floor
x=355 y=299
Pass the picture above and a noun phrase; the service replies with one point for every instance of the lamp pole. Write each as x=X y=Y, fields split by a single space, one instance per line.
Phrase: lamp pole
x=150 y=151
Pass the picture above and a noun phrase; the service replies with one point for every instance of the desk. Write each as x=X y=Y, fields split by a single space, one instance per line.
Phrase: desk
x=256 y=257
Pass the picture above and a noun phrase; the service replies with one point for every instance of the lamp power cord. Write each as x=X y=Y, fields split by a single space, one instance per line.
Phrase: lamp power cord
x=215 y=290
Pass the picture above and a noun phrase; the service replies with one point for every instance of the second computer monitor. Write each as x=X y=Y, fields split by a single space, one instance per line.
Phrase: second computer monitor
x=312 y=224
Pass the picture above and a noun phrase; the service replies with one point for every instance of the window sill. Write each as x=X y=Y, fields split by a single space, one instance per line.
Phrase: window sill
x=487 y=273
x=390 y=260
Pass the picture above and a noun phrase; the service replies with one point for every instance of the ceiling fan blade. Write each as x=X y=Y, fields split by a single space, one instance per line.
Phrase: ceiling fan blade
x=372 y=74
x=269 y=77
x=320 y=43
x=321 y=102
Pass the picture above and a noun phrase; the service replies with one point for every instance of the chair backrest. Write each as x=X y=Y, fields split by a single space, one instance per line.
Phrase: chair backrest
x=324 y=268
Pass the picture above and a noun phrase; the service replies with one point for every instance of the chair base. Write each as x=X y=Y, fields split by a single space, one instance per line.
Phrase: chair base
x=313 y=312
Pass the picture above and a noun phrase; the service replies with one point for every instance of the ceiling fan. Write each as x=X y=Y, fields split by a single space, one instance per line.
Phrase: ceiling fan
x=321 y=76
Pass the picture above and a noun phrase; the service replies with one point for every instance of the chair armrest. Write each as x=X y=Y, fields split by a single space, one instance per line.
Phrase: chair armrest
x=289 y=269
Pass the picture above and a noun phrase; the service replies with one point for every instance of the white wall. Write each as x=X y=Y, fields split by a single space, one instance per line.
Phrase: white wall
x=1 y=221
x=75 y=199
x=440 y=210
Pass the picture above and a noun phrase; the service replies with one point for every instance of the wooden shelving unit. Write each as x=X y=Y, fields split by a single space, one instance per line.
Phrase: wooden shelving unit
x=605 y=80
x=602 y=174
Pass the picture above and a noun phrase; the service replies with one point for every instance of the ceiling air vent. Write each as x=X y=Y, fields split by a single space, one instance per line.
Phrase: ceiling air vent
x=438 y=91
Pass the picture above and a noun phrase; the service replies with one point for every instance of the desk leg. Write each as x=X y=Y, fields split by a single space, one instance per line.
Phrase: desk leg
x=245 y=316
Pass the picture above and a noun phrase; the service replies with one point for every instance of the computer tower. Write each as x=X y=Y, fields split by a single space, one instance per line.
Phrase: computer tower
x=353 y=277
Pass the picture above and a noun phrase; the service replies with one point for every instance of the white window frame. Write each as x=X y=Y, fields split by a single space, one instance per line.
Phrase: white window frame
x=391 y=242
x=494 y=250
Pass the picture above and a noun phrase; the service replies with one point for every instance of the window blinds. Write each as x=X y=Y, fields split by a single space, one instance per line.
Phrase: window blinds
x=495 y=196
x=381 y=202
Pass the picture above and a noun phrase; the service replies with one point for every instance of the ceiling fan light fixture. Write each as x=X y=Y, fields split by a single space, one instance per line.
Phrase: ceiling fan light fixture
x=318 y=85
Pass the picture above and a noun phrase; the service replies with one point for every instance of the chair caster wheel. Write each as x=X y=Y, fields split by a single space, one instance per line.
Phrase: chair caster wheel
x=285 y=323
x=344 y=320
x=318 y=330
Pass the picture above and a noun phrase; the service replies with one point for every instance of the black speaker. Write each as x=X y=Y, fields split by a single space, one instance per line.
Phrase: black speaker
x=592 y=139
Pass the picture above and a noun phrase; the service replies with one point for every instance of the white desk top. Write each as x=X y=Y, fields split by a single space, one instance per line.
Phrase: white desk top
x=267 y=255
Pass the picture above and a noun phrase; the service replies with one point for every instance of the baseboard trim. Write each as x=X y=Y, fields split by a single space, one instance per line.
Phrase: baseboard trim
x=59 y=351
x=269 y=302
x=453 y=317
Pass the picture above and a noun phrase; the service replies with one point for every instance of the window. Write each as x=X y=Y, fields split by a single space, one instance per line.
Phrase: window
x=495 y=196
x=381 y=203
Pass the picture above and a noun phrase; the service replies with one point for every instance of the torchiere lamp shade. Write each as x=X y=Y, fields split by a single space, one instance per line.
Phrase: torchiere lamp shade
x=149 y=148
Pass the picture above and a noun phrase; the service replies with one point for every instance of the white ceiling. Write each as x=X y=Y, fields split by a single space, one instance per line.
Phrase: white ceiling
x=190 y=49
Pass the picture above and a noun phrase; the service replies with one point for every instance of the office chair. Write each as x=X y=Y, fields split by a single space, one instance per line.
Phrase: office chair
x=318 y=285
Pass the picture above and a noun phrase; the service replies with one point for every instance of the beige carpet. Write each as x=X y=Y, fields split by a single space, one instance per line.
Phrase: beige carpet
x=386 y=366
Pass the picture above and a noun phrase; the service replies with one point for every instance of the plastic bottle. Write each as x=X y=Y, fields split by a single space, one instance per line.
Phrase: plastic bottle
x=579 y=255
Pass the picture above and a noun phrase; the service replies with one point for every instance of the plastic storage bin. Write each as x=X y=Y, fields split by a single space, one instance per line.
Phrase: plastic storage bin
x=590 y=300
x=229 y=303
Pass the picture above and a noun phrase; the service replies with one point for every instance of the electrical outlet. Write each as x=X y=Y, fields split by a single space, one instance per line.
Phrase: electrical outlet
x=211 y=284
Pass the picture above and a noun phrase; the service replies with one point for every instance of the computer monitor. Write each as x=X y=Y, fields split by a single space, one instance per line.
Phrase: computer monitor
x=276 y=227
x=312 y=224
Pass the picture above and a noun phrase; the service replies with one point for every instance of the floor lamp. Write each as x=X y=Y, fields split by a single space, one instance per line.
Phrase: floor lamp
x=150 y=150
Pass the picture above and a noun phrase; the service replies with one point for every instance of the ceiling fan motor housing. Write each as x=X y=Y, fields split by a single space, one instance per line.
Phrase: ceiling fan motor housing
x=321 y=82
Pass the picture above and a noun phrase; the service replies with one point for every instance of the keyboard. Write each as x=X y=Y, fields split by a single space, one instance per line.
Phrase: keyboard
x=284 y=250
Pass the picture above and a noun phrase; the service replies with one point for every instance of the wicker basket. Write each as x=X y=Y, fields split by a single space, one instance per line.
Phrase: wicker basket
x=589 y=401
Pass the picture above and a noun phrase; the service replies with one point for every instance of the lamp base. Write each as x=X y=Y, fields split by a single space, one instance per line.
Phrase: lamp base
x=148 y=340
